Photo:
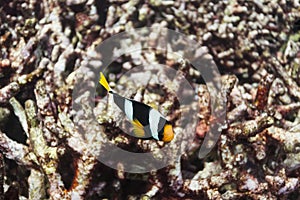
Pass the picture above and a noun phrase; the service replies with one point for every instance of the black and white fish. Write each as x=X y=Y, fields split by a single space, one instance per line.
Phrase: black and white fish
x=147 y=122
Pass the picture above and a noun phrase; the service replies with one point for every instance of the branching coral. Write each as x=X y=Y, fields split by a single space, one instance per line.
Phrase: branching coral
x=51 y=139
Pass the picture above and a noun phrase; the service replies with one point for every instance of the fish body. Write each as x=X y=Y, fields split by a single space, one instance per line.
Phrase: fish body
x=147 y=122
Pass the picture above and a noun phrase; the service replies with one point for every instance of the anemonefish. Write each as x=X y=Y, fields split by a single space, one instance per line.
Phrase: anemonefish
x=147 y=122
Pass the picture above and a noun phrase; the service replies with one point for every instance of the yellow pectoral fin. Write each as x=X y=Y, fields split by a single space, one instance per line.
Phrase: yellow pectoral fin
x=138 y=128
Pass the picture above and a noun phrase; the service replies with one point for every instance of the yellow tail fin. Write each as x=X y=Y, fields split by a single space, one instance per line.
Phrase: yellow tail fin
x=104 y=82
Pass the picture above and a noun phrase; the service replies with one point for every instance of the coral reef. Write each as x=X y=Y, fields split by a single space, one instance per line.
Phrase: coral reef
x=49 y=51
